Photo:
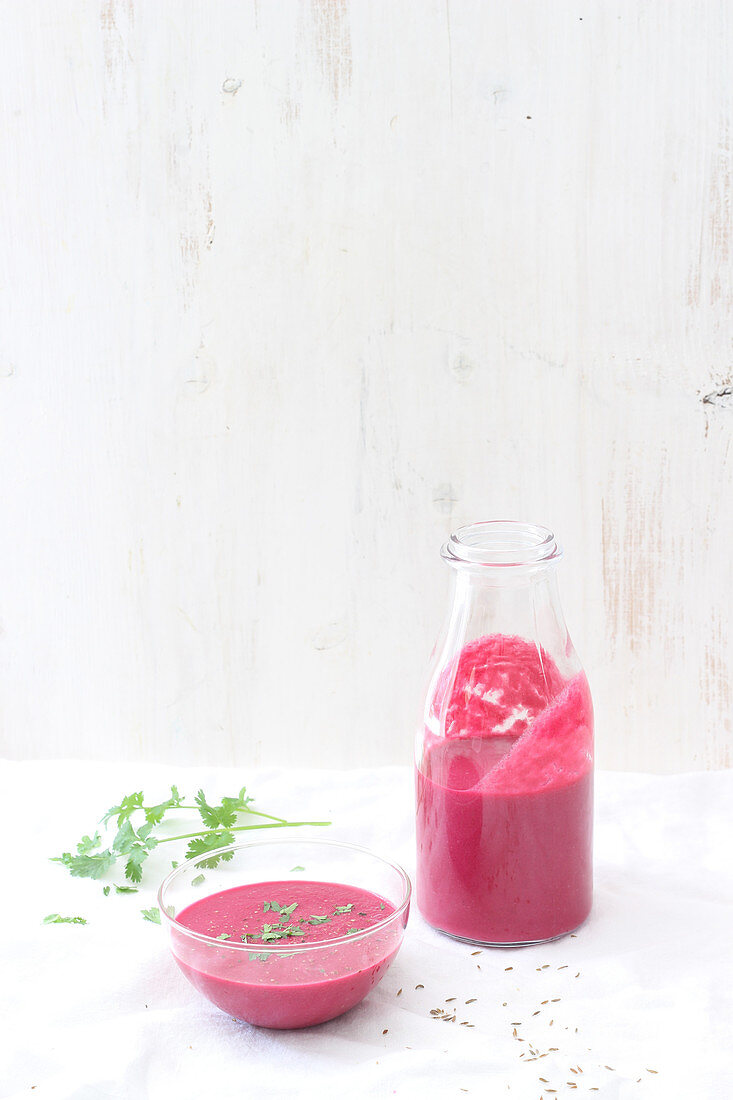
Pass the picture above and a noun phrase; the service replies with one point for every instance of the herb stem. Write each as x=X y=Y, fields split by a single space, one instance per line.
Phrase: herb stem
x=280 y=824
x=249 y=810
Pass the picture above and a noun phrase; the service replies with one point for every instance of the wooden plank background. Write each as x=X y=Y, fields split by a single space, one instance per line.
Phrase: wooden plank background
x=290 y=290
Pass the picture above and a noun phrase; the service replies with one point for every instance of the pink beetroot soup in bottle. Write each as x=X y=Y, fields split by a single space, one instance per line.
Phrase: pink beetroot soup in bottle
x=504 y=756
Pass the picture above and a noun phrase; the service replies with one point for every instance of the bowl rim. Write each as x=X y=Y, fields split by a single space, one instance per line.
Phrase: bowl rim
x=292 y=948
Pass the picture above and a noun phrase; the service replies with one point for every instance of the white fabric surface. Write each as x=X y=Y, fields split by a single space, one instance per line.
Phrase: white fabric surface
x=101 y=1010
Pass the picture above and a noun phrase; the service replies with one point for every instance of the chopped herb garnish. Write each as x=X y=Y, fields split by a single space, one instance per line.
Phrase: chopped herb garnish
x=262 y=956
x=106 y=890
x=344 y=908
x=125 y=889
x=269 y=933
x=315 y=918
x=296 y=869
x=224 y=936
x=152 y=915
x=350 y=931
x=198 y=880
x=56 y=918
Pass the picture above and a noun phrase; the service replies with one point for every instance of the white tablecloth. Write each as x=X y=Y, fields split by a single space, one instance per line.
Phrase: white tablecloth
x=101 y=1011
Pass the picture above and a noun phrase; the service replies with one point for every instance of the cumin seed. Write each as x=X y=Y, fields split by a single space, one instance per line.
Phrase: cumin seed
x=554 y=1000
x=476 y=952
x=398 y=992
x=508 y=968
x=652 y=1071
x=611 y=1068
x=563 y=967
x=419 y=987
x=449 y=999
x=385 y=1031
x=471 y=1000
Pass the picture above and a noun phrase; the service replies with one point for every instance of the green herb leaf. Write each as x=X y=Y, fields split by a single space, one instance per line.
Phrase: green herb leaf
x=198 y=880
x=200 y=845
x=125 y=889
x=154 y=814
x=296 y=869
x=87 y=844
x=215 y=817
x=152 y=915
x=106 y=890
x=56 y=918
x=350 y=931
x=87 y=866
x=126 y=808
x=239 y=804
x=224 y=936
x=134 y=865
x=263 y=956
x=125 y=838
x=315 y=918
x=344 y=908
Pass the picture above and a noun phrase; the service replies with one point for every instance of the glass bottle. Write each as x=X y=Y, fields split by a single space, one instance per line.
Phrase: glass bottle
x=504 y=756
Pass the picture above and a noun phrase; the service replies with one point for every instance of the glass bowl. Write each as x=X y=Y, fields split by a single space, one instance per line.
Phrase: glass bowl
x=283 y=983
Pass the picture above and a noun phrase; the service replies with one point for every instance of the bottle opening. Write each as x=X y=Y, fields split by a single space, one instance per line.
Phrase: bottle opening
x=501 y=543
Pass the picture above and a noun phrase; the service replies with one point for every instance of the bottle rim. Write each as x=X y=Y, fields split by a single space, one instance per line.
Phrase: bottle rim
x=501 y=544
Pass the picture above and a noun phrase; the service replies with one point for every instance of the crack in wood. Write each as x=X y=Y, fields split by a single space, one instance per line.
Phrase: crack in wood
x=722 y=398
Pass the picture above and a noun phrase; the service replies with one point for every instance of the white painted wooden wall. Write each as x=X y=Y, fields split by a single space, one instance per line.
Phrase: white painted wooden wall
x=291 y=289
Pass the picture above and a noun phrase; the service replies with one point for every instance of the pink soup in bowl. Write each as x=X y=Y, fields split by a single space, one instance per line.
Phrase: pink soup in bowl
x=285 y=933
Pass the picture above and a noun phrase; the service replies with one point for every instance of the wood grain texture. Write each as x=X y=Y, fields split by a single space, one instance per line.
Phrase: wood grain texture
x=289 y=291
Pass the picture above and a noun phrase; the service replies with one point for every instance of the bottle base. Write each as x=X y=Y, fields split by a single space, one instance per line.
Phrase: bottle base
x=509 y=943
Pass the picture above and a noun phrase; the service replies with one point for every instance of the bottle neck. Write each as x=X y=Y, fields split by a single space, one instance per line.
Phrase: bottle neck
x=505 y=583
x=502 y=552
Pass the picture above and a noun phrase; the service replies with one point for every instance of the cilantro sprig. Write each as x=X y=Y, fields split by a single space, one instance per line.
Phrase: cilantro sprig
x=137 y=833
